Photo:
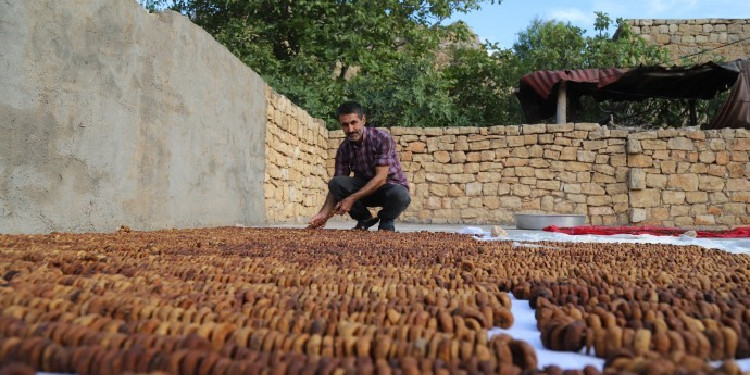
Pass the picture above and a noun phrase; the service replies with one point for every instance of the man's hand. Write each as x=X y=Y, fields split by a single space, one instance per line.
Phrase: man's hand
x=344 y=205
x=319 y=219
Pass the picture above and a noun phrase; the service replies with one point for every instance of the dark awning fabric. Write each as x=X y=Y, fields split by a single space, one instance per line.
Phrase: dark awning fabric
x=736 y=110
x=698 y=82
x=538 y=90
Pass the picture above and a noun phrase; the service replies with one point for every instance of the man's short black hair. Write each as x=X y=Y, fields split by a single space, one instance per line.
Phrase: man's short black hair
x=349 y=107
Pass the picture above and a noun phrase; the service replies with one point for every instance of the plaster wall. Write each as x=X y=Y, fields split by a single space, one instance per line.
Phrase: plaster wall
x=113 y=116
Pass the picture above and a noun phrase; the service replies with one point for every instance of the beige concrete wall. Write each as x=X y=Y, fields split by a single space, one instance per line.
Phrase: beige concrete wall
x=475 y=175
x=720 y=38
x=110 y=115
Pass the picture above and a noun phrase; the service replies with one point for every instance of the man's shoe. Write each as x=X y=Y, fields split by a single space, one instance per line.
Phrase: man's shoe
x=365 y=224
x=389 y=225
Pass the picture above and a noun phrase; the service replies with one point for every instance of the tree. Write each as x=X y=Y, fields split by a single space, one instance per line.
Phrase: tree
x=415 y=95
x=482 y=81
x=319 y=53
x=554 y=45
x=382 y=53
x=551 y=45
x=622 y=50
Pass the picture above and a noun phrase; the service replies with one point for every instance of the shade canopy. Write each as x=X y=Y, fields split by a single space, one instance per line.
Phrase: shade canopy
x=538 y=90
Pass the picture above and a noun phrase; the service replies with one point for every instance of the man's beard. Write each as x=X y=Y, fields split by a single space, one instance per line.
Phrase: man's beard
x=354 y=136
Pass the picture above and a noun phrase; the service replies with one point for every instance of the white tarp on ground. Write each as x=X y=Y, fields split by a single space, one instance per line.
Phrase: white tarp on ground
x=524 y=328
x=733 y=245
x=524 y=325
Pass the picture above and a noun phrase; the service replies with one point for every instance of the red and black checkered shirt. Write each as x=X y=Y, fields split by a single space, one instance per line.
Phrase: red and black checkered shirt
x=377 y=149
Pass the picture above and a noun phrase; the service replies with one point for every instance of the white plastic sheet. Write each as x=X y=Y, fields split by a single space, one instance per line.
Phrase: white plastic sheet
x=524 y=326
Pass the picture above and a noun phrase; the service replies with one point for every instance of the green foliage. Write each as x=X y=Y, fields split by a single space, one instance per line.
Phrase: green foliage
x=415 y=94
x=551 y=45
x=319 y=53
x=554 y=45
x=483 y=81
x=623 y=50
x=482 y=85
x=150 y=5
x=383 y=54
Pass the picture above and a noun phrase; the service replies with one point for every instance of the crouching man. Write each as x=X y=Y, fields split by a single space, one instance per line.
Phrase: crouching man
x=378 y=179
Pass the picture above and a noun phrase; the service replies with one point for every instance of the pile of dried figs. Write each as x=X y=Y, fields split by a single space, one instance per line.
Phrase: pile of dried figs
x=282 y=301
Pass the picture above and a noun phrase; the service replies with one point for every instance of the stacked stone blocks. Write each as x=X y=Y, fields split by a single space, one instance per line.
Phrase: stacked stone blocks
x=476 y=175
x=296 y=152
x=486 y=174
x=690 y=178
x=701 y=39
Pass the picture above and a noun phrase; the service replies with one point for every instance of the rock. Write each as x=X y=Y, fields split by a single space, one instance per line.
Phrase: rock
x=498 y=231
x=690 y=233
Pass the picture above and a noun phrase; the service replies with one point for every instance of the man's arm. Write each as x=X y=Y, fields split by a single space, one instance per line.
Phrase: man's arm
x=341 y=169
x=381 y=176
x=325 y=212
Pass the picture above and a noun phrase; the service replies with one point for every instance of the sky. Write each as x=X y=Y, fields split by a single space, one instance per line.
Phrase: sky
x=500 y=23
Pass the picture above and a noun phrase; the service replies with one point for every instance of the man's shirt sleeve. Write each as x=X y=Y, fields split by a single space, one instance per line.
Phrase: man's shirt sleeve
x=343 y=166
x=384 y=150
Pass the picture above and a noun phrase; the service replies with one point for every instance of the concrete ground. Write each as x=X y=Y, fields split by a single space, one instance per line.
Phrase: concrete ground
x=409 y=227
x=734 y=245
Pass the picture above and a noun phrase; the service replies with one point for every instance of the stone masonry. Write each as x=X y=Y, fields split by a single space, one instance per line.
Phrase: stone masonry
x=478 y=175
x=696 y=178
x=96 y=136
x=296 y=153
x=726 y=39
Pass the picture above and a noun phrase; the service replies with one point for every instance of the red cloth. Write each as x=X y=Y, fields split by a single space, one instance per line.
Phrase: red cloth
x=646 y=229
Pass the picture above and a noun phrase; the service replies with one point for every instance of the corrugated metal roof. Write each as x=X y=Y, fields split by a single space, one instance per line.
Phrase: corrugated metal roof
x=538 y=91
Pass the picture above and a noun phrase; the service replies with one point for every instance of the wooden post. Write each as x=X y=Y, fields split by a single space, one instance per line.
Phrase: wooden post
x=562 y=104
x=693 y=112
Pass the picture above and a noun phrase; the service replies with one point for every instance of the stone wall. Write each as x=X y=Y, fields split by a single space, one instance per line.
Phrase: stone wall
x=694 y=178
x=113 y=116
x=296 y=153
x=728 y=39
x=479 y=175
x=485 y=175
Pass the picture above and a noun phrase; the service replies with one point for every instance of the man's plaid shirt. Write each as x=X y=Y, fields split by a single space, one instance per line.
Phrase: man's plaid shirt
x=376 y=149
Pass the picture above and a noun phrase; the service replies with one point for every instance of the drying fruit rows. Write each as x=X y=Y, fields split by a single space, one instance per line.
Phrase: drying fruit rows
x=279 y=301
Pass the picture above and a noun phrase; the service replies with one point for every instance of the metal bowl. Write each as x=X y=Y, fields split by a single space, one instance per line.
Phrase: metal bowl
x=531 y=221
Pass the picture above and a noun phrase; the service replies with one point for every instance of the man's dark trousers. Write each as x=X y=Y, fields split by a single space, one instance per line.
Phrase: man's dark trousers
x=394 y=198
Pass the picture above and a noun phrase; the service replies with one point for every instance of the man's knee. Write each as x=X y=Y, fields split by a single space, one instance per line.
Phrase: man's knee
x=343 y=186
x=399 y=197
x=338 y=182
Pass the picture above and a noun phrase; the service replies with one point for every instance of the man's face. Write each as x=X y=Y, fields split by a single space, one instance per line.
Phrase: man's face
x=352 y=125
